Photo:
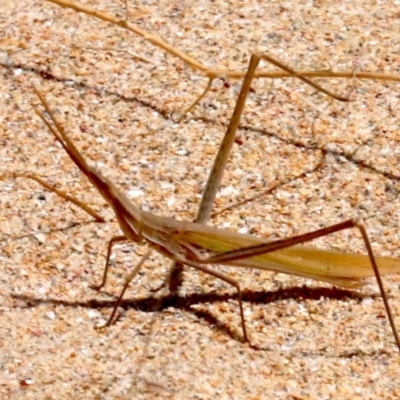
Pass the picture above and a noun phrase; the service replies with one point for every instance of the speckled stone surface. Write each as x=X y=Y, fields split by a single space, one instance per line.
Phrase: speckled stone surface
x=307 y=160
